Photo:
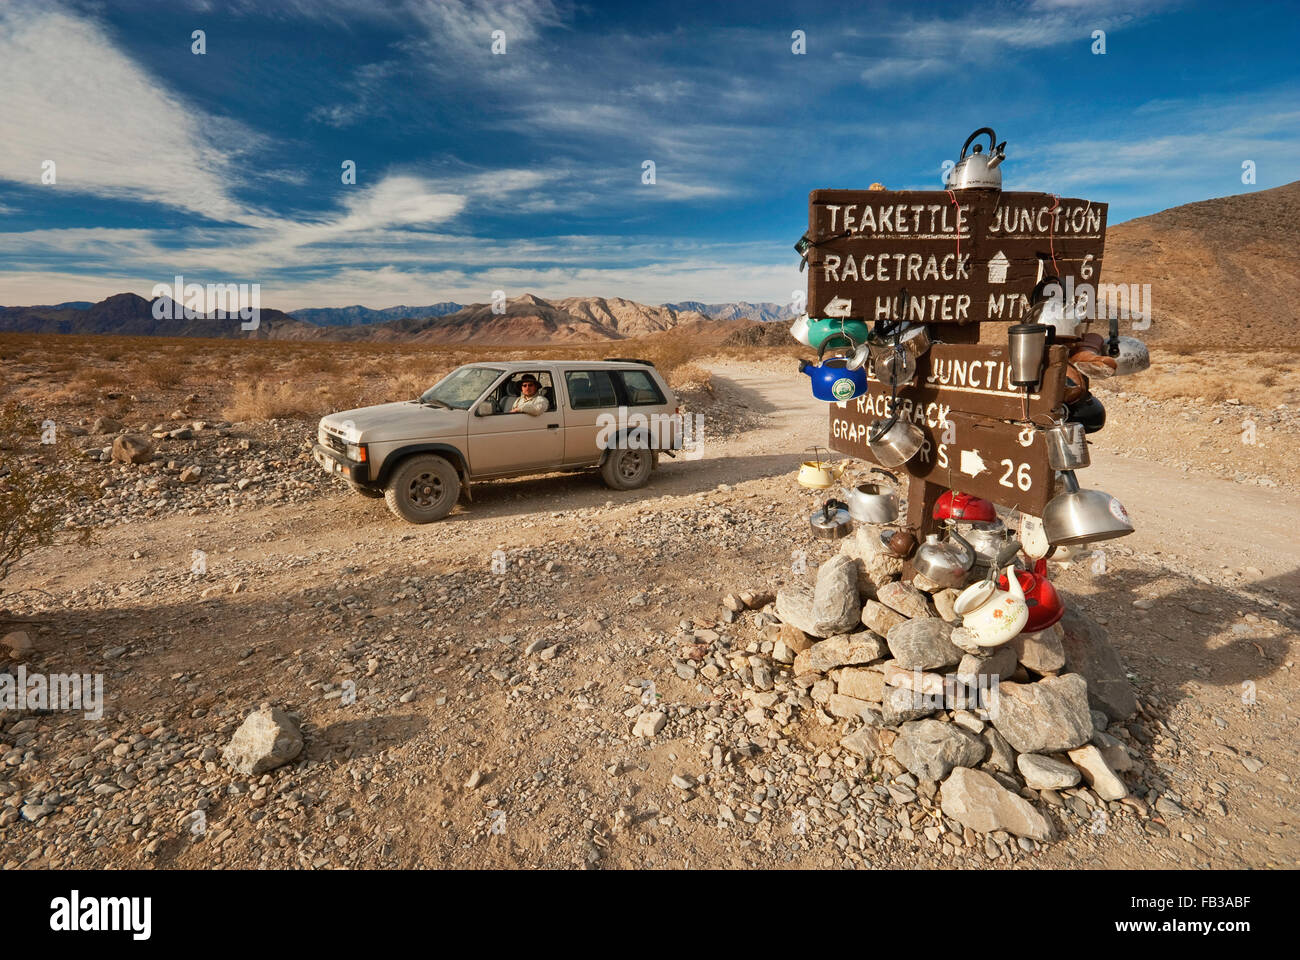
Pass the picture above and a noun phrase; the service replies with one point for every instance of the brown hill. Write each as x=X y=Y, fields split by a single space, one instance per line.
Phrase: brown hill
x=1223 y=272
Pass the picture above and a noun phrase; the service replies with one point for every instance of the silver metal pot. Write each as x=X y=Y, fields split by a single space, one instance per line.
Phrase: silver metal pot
x=893 y=442
x=832 y=521
x=946 y=563
x=995 y=546
x=1067 y=446
x=874 y=502
x=1083 y=516
x=979 y=169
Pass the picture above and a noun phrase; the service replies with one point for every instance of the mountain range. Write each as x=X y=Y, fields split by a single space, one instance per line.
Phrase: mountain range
x=1221 y=271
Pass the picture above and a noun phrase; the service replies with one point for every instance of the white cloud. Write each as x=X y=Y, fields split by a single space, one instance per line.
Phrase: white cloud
x=69 y=95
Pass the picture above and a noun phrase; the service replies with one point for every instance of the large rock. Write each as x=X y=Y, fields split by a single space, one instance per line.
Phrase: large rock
x=923 y=644
x=1042 y=717
x=1046 y=773
x=265 y=740
x=983 y=671
x=836 y=606
x=943 y=603
x=846 y=650
x=904 y=598
x=105 y=425
x=1088 y=651
x=878 y=617
x=974 y=799
x=874 y=567
x=132 y=448
x=860 y=683
x=930 y=749
x=1097 y=773
x=649 y=724
x=1001 y=757
x=18 y=642
x=794 y=638
x=916 y=680
x=901 y=705
x=864 y=742
x=850 y=708
x=1041 y=652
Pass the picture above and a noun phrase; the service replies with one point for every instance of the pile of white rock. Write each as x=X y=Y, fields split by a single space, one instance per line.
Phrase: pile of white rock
x=992 y=735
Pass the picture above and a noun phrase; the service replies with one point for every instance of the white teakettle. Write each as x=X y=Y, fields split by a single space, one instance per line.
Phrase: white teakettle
x=993 y=616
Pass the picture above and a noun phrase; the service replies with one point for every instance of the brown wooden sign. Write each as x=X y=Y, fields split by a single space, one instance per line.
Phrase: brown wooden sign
x=969 y=256
x=1002 y=462
x=969 y=378
x=964 y=406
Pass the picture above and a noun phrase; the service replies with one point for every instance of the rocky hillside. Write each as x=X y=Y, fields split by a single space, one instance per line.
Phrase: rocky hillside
x=1222 y=272
x=126 y=314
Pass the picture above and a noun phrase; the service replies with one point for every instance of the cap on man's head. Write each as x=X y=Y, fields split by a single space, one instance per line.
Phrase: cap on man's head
x=528 y=378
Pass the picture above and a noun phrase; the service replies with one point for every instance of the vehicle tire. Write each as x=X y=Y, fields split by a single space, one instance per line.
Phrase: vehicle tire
x=423 y=488
x=373 y=493
x=627 y=469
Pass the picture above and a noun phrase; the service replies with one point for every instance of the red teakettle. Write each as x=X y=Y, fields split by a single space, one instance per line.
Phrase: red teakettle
x=953 y=505
x=1045 y=604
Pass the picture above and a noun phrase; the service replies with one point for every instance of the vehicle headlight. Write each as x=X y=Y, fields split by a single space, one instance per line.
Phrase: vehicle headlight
x=357 y=452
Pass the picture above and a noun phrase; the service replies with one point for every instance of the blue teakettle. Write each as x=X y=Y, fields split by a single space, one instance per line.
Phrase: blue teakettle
x=832 y=380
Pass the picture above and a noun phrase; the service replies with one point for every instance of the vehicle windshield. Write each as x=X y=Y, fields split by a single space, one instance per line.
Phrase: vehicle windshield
x=460 y=388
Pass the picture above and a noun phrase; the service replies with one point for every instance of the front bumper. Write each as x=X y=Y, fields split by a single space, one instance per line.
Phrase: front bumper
x=336 y=464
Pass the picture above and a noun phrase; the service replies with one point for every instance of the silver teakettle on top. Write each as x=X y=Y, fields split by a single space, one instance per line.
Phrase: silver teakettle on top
x=979 y=169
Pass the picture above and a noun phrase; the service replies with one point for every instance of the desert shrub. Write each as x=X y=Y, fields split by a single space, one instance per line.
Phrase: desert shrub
x=37 y=485
x=265 y=401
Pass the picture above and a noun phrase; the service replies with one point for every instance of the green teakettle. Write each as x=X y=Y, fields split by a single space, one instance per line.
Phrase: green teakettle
x=814 y=333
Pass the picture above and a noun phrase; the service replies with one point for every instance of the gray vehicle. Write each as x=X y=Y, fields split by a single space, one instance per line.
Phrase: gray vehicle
x=419 y=455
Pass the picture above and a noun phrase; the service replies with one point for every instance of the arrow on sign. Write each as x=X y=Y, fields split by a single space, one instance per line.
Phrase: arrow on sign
x=839 y=307
x=971 y=464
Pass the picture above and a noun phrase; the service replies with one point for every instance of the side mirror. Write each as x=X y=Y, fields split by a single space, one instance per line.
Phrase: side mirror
x=485 y=409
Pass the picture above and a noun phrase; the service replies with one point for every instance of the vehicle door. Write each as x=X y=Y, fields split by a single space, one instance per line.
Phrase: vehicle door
x=504 y=442
x=592 y=407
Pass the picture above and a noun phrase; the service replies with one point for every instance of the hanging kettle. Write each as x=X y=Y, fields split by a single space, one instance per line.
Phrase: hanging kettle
x=818 y=474
x=1044 y=603
x=832 y=380
x=1048 y=307
x=1133 y=357
x=893 y=441
x=991 y=615
x=1089 y=411
x=1067 y=446
x=1083 y=516
x=954 y=505
x=978 y=169
x=819 y=331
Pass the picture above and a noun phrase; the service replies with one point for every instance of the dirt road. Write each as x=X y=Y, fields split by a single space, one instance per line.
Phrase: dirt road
x=438 y=628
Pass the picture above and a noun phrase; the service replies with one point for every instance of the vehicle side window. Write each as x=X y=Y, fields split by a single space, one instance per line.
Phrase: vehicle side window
x=589 y=389
x=639 y=388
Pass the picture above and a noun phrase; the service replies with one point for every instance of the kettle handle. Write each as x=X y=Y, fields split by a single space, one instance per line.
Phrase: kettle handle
x=968 y=560
x=840 y=335
x=885 y=472
x=993 y=141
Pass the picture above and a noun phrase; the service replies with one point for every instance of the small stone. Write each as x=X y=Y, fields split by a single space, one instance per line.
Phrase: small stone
x=1046 y=773
x=1041 y=652
x=474 y=781
x=1097 y=774
x=191 y=474
x=18 y=642
x=879 y=618
x=132 y=448
x=649 y=724
x=975 y=800
x=265 y=740
x=930 y=749
x=923 y=644
x=1252 y=764
x=905 y=599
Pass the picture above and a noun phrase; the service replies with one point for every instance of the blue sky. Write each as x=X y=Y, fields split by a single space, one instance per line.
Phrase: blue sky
x=522 y=171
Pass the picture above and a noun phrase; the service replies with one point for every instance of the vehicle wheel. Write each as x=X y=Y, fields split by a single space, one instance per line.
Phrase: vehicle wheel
x=422 y=489
x=371 y=492
x=627 y=469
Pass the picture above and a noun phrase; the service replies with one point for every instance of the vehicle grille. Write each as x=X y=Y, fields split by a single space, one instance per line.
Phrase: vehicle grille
x=336 y=443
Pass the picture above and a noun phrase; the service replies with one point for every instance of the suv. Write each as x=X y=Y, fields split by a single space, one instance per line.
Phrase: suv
x=615 y=414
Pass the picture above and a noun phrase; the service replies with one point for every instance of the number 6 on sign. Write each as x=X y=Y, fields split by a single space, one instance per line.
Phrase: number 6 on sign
x=1023 y=480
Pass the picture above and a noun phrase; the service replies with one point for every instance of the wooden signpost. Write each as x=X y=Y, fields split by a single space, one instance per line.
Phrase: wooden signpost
x=965 y=257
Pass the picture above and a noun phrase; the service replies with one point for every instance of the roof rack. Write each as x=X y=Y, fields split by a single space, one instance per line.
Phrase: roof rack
x=648 y=363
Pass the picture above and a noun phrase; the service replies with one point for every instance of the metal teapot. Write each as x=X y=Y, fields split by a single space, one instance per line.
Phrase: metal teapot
x=832 y=380
x=994 y=545
x=945 y=562
x=874 y=502
x=979 y=170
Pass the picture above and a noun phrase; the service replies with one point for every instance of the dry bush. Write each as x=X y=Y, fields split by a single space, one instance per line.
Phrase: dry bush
x=160 y=371
x=689 y=376
x=263 y=401
x=37 y=487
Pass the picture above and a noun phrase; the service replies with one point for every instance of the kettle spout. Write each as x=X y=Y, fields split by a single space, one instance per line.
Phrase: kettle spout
x=1013 y=584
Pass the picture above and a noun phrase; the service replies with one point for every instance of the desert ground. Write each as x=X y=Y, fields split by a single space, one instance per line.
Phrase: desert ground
x=493 y=713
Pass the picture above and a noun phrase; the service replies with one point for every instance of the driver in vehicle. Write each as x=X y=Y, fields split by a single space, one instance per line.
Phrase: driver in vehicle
x=531 y=399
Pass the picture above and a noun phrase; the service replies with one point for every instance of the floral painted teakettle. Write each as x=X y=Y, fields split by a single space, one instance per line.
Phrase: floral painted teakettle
x=991 y=615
